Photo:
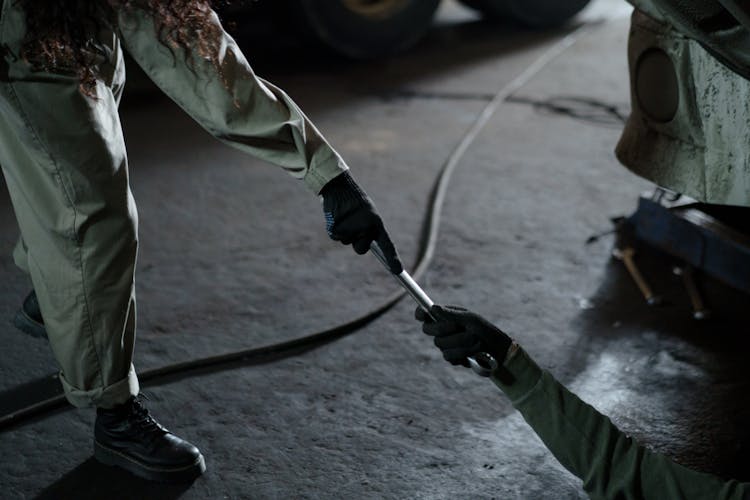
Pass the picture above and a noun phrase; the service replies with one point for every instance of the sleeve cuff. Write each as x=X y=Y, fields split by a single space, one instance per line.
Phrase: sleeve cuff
x=324 y=170
x=518 y=376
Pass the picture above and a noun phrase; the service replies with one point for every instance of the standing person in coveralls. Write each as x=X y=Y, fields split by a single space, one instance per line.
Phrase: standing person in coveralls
x=64 y=160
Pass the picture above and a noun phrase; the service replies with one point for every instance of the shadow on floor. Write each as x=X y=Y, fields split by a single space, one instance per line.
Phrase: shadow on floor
x=668 y=349
x=30 y=393
x=92 y=480
x=617 y=300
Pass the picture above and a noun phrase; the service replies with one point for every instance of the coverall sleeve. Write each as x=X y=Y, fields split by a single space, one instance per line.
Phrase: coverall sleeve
x=610 y=464
x=231 y=102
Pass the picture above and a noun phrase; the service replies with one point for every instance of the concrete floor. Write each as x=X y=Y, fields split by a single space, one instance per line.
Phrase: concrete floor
x=234 y=255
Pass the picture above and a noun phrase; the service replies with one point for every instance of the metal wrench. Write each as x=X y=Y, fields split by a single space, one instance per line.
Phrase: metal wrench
x=482 y=363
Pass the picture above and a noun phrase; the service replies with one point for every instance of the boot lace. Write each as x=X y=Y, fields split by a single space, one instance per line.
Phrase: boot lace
x=141 y=417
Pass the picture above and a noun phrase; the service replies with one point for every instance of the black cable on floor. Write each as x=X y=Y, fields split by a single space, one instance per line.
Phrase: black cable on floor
x=427 y=245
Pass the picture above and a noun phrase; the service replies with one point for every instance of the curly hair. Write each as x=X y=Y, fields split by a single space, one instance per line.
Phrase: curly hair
x=61 y=35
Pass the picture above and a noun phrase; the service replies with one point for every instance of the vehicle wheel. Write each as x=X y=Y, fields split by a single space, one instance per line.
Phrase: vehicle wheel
x=365 y=28
x=531 y=13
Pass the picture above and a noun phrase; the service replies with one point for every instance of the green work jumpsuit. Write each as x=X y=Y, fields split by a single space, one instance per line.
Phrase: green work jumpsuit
x=64 y=161
x=610 y=464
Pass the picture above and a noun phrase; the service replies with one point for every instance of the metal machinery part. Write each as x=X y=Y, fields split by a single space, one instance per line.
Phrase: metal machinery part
x=626 y=255
x=687 y=133
x=687 y=129
x=655 y=85
x=713 y=239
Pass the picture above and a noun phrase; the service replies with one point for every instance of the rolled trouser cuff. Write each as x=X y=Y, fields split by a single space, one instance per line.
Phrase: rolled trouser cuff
x=103 y=397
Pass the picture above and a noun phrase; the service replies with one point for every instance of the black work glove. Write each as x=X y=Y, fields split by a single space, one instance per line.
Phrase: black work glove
x=460 y=333
x=352 y=219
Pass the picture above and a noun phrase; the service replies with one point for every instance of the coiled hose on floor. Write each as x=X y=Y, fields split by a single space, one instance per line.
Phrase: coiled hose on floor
x=425 y=254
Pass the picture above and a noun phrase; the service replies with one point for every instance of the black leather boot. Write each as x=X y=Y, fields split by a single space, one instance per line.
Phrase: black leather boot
x=28 y=319
x=128 y=436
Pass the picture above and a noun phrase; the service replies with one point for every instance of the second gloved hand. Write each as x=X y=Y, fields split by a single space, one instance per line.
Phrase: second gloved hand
x=460 y=333
x=352 y=219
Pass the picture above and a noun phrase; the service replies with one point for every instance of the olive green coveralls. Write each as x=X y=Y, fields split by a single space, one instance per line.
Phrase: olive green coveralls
x=610 y=464
x=64 y=161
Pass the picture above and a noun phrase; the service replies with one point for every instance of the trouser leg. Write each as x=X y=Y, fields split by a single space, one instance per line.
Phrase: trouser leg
x=20 y=256
x=63 y=158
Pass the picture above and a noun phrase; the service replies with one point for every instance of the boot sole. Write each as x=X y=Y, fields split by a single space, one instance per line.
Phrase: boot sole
x=182 y=474
x=23 y=322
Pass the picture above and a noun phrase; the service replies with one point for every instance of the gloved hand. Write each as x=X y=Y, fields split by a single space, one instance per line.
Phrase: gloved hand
x=352 y=219
x=460 y=333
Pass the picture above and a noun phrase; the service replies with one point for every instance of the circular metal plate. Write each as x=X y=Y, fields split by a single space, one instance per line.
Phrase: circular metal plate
x=656 y=85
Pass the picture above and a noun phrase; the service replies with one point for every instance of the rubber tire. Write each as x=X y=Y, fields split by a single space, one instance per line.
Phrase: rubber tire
x=536 y=14
x=358 y=36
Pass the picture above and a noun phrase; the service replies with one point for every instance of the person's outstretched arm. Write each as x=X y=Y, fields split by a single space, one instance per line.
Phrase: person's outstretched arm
x=222 y=93
x=215 y=85
x=610 y=464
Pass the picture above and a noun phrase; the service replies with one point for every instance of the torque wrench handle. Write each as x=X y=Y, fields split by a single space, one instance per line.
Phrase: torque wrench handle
x=482 y=363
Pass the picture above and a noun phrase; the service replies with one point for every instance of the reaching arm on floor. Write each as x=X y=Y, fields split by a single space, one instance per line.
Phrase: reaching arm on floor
x=610 y=464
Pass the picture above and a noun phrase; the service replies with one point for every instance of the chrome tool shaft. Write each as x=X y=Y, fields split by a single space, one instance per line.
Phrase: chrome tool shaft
x=482 y=363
